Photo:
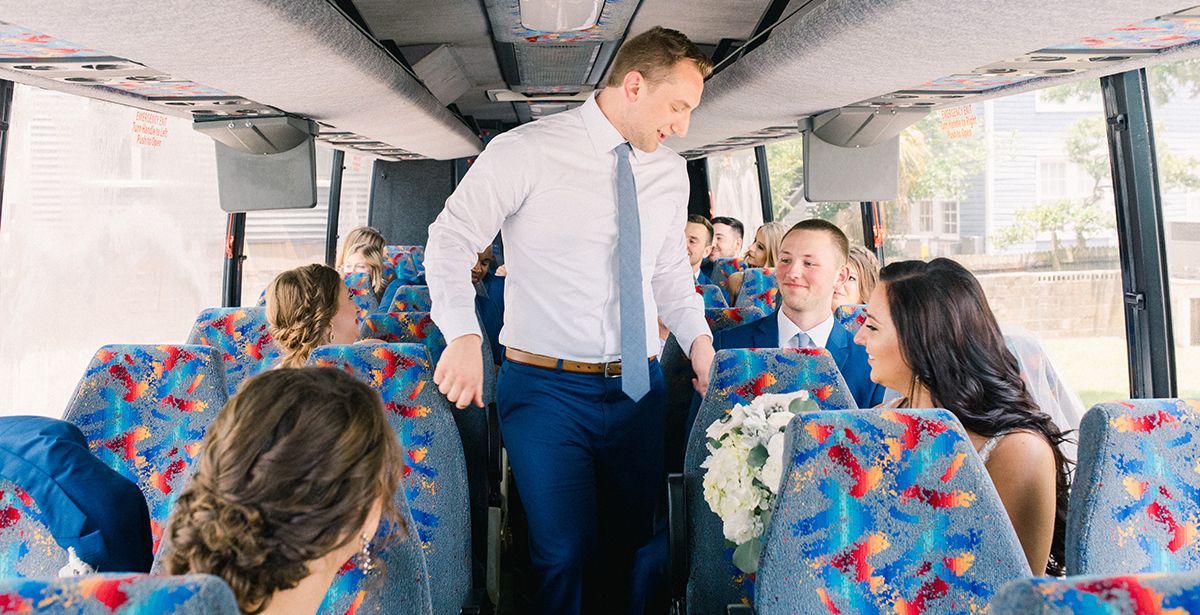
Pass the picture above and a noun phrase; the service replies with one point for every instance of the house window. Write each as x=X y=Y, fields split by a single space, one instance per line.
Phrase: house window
x=1052 y=180
x=950 y=217
x=925 y=216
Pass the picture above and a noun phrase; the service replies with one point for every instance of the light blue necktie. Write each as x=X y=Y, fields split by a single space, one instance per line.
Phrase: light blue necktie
x=635 y=371
x=802 y=340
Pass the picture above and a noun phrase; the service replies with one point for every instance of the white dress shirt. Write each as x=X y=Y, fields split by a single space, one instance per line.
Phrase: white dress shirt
x=818 y=334
x=550 y=186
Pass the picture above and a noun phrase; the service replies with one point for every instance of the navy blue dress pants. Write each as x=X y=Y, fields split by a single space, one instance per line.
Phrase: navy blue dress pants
x=588 y=462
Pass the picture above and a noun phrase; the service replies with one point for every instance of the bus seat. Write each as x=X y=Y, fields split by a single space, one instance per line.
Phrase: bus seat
x=144 y=410
x=27 y=546
x=435 y=474
x=478 y=436
x=103 y=594
x=409 y=298
x=759 y=289
x=701 y=566
x=405 y=264
x=851 y=316
x=262 y=299
x=714 y=297
x=1123 y=593
x=400 y=581
x=1136 y=494
x=362 y=293
x=884 y=506
x=678 y=374
x=722 y=269
x=242 y=338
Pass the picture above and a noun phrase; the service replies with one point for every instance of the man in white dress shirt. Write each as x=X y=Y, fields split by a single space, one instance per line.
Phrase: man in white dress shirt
x=592 y=211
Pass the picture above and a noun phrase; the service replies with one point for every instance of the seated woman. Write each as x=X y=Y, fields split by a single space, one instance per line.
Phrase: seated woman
x=930 y=334
x=307 y=307
x=298 y=471
x=363 y=235
x=762 y=252
x=864 y=275
x=365 y=258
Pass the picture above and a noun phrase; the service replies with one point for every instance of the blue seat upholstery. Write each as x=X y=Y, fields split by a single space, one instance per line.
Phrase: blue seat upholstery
x=725 y=318
x=144 y=411
x=884 y=510
x=851 y=316
x=409 y=299
x=722 y=269
x=27 y=546
x=435 y=471
x=714 y=297
x=1100 y=595
x=405 y=264
x=737 y=377
x=242 y=337
x=398 y=584
x=362 y=293
x=759 y=289
x=119 y=594
x=1136 y=496
x=262 y=299
x=405 y=328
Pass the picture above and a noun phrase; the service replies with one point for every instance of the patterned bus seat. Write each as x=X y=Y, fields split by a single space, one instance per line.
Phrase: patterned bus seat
x=722 y=269
x=1100 y=595
x=242 y=338
x=362 y=293
x=851 y=316
x=714 y=297
x=884 y=510
x=759 y=289
x=405 y=264
x=119 y=594
x=409 y=298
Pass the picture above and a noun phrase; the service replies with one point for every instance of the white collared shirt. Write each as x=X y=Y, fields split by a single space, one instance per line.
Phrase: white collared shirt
x=818 y=334
x=550 y=186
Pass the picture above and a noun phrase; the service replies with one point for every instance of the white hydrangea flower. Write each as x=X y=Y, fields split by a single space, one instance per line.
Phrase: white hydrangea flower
x=772 y=471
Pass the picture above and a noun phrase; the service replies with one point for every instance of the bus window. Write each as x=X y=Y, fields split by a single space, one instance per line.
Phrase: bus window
x=1175 y=108
x=111 y=233
x=280 y=240
x=785 y=165
x=733 y=187
x=1017 y=189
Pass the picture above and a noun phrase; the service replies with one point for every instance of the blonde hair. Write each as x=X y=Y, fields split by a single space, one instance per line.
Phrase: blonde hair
x=261 y=506
x=301 y=304
x=374 y=257
x=866 y=264
x=654 y=53
x=363 y=235
x=772 y=236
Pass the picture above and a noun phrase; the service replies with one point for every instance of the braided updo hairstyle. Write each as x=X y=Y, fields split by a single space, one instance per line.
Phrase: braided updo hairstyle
x=290 y=470
x=301 y=304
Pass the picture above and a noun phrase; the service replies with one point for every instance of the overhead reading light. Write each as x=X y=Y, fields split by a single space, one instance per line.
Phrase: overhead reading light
x=560 y=15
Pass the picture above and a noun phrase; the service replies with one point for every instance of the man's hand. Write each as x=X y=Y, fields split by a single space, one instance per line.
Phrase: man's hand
x=459 y=373
x=702 y=358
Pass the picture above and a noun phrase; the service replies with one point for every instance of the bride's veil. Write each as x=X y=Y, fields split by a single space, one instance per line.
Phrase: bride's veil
x=1045 y=383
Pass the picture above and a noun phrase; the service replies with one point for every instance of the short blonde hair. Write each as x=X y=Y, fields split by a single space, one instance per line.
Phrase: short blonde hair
x=301 y=304
x=374 y=257
x=772 y=234
x=363 y=235
x=654 y=53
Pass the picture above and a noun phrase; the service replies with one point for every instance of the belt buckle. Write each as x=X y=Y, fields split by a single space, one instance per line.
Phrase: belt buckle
x=608 y=366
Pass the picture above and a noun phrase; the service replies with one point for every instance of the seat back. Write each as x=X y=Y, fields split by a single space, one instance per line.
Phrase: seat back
x=106 y=594
x=722 y=269
x=362 y=293
x=759 y=289
x=737 y=377
x=409 y=299
x=1136 y=496
x=241 y=337
x=27 y=546
x=144 y=411
x=435 y=472
x=851 y=316
x=1125 y=593
x=713 y=296
x=405 y=328
x=884 y=506
x=405 y=264
x=725 y=318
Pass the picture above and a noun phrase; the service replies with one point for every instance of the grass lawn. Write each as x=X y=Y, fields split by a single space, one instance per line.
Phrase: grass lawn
x=1097 y=367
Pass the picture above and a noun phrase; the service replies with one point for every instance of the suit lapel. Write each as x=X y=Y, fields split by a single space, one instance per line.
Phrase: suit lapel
x=766 y=334
x=839 y=344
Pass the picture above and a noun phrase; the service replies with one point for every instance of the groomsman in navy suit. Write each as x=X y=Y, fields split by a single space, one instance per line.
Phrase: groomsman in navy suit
x=812 y=262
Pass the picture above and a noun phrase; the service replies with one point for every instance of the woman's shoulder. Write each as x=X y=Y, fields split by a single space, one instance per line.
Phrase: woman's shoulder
x=1022 y=448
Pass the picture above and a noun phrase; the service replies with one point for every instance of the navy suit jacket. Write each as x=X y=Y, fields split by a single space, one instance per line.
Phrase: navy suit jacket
x=851 y=358
x=702 y=278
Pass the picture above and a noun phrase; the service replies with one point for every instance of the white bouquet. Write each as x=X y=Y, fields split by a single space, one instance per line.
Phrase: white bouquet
x=744 y=468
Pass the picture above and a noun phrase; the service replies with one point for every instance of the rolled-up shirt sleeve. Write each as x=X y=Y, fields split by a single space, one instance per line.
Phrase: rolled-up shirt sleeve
x=492 y=189
x=679 y=306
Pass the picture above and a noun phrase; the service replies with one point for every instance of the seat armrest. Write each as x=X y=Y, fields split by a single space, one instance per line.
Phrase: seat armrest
x=677 y=567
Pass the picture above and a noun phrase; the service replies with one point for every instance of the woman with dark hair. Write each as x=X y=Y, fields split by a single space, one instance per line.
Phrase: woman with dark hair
x=930 y=335
x=297 y=473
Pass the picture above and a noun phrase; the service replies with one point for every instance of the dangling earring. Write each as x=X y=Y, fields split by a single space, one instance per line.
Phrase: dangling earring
x=362 y=559
x=329 y=336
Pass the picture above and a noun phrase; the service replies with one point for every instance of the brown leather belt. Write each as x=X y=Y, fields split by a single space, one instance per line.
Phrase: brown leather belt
x=611 y=369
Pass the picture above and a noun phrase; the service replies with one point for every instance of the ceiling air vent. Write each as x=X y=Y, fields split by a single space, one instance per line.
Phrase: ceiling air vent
x=555 y=64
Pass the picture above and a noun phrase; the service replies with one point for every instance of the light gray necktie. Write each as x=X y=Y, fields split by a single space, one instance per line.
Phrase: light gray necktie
x=635 y=372
x=801 y=340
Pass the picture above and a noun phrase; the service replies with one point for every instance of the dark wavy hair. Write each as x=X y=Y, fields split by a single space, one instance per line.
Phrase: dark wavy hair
x=951 y=341
x=289 y=472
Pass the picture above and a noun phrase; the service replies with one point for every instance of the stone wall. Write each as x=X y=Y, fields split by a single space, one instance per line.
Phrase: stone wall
x=1058 y=304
